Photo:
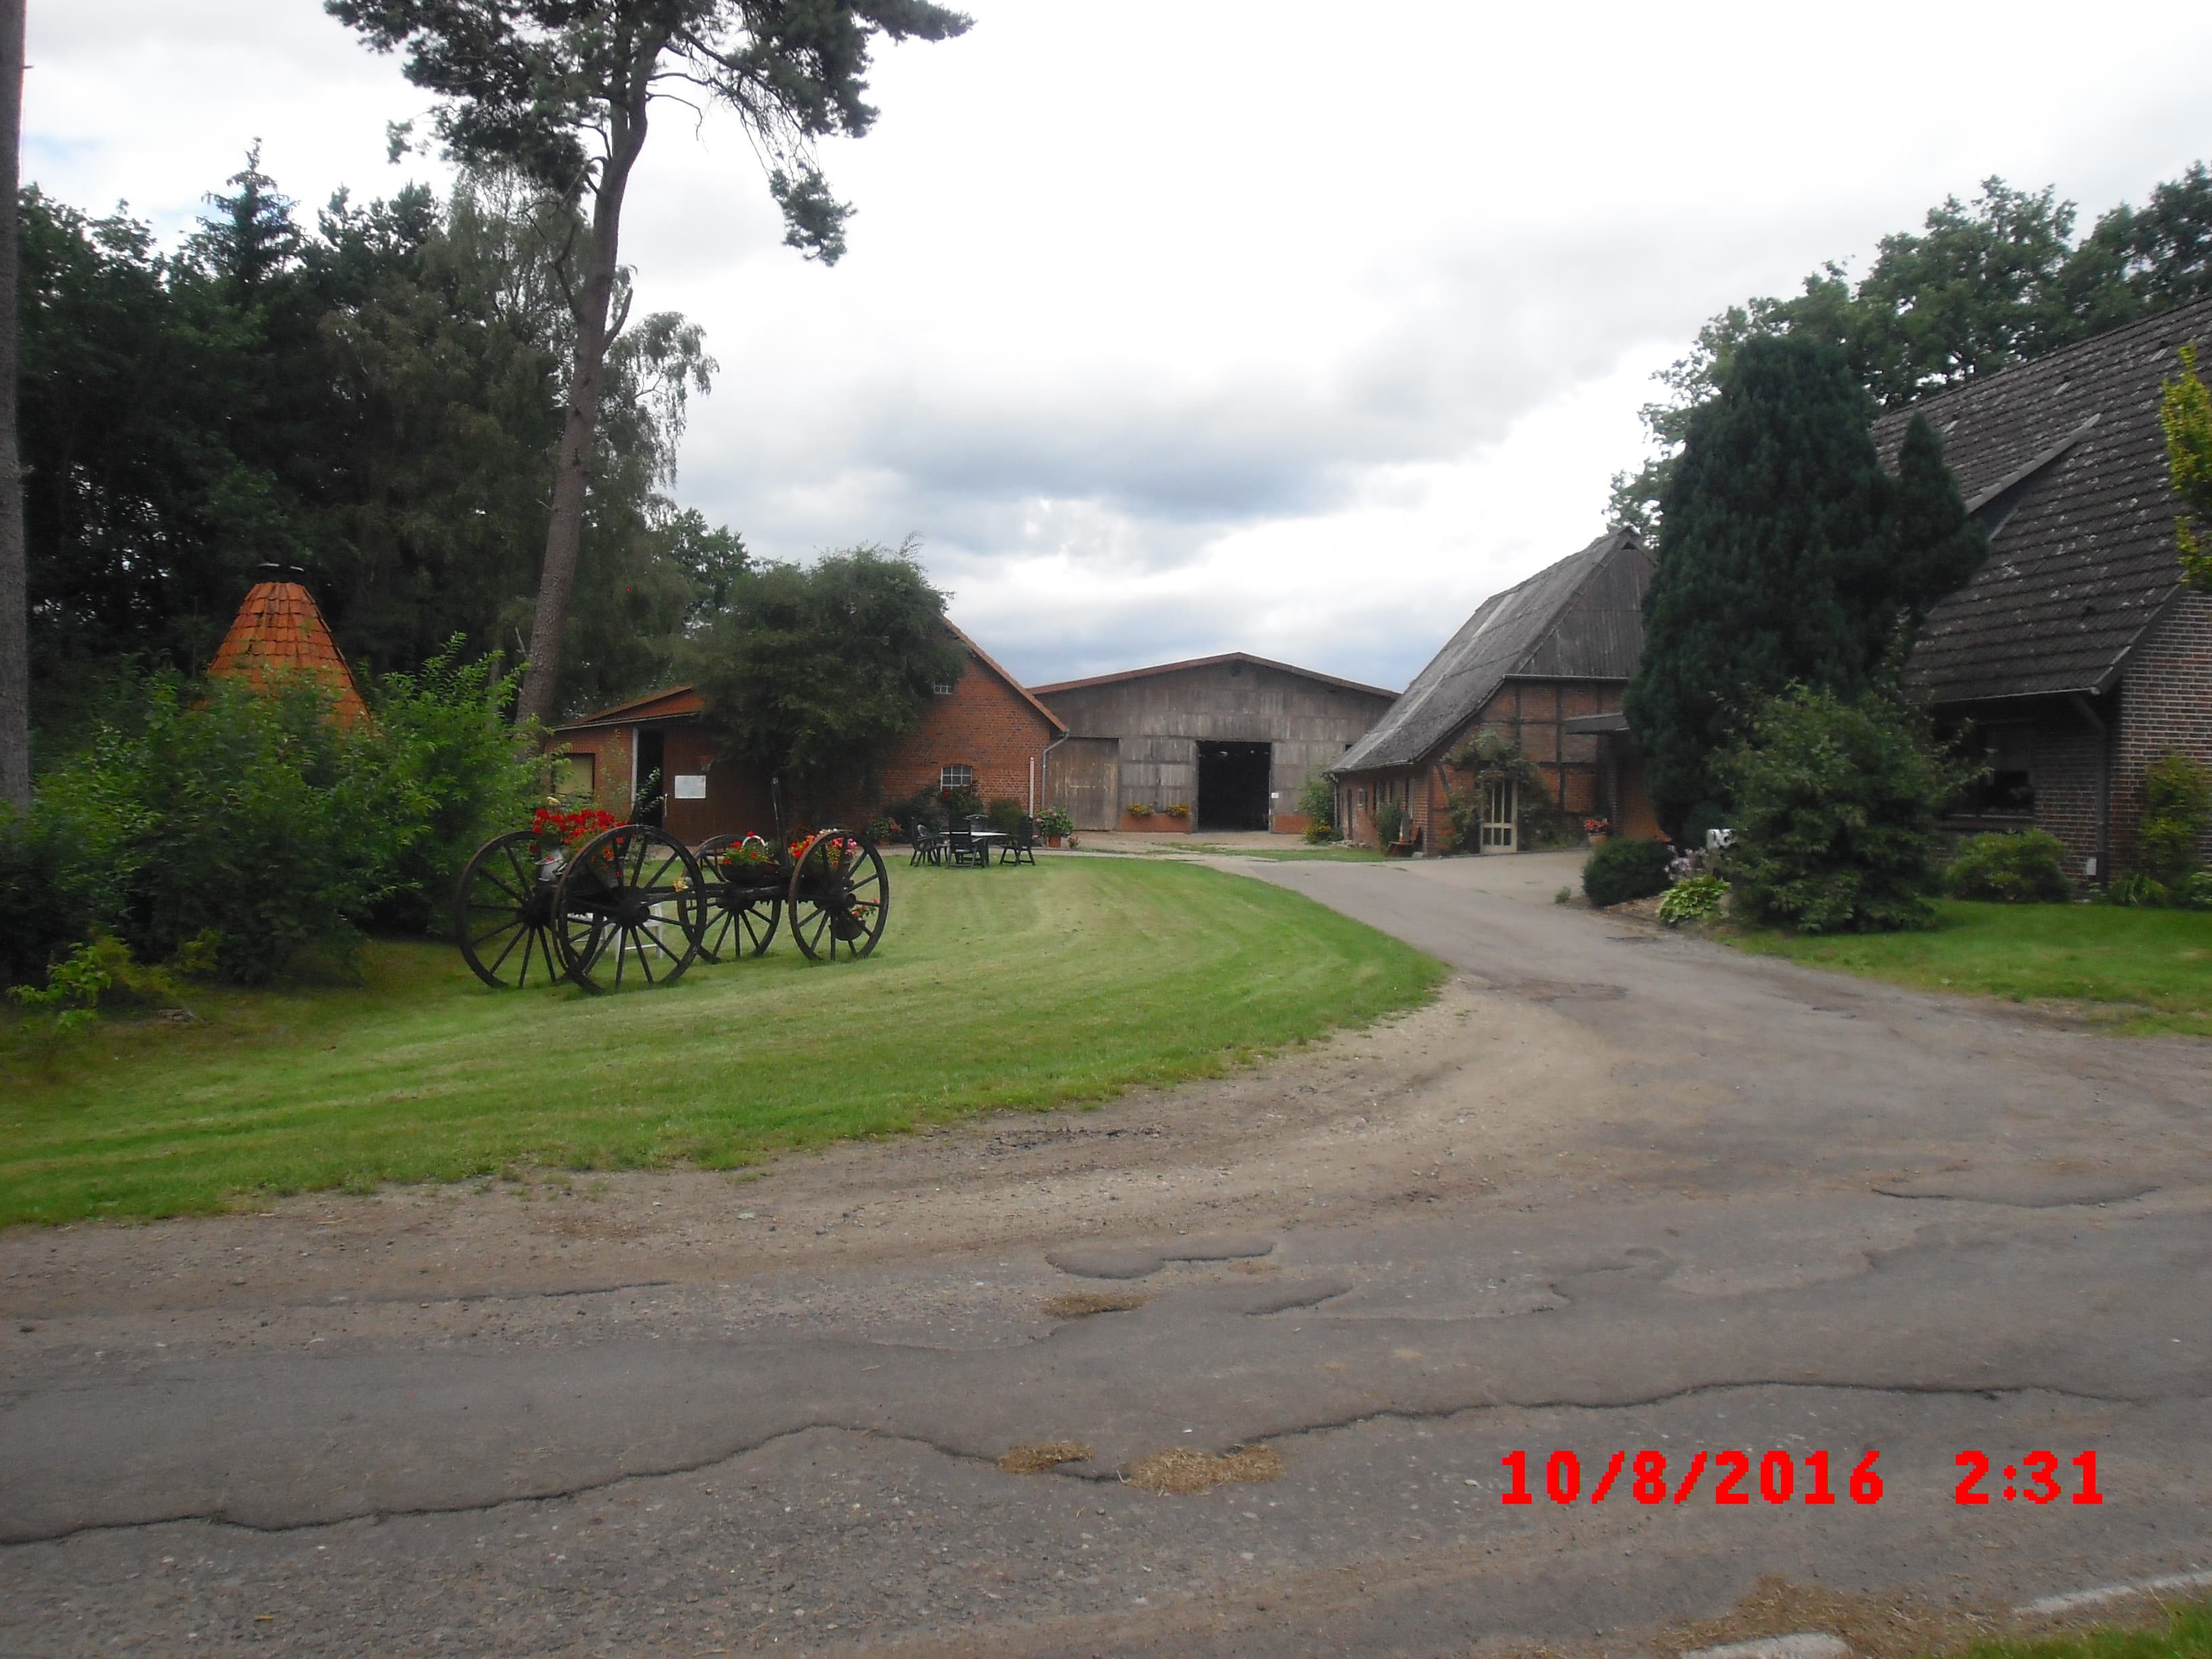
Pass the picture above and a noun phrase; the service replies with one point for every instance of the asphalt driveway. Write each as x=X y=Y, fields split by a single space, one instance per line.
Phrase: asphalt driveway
x=1618 y=1192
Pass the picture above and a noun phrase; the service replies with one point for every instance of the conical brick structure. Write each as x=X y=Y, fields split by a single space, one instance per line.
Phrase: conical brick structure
x=280 y=632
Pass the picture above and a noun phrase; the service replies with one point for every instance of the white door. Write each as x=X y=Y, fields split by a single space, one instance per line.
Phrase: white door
x=1499 y=816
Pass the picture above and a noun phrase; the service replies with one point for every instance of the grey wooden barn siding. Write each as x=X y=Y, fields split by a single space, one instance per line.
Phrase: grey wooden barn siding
x=1082 y=779
x=1159 y=720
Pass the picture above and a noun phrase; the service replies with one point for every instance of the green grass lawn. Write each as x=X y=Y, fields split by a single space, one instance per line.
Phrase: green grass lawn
x=2185 y=1634
x=1003 y=987
x=2145 y=970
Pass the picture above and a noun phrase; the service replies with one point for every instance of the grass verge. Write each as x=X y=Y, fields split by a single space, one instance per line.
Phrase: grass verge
x=2141 y=970
x=995 y=988
x=2185 y=1634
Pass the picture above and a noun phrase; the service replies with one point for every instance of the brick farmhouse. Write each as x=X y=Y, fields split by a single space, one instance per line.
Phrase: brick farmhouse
x=1541 y=664
x=2075 y=656
x=981 y=731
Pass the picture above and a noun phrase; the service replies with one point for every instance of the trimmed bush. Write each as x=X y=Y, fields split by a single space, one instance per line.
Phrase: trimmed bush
x=1624 y=870
x=2020 y=866
x=2177 y=807
x=1389 y=820
x=1835 y=813
x=1005 y=813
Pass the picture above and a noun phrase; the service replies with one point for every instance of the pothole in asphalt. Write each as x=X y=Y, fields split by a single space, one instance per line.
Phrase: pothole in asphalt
x=1036 y=1457
x=2021 y=1192
x=1081 y=1304
x=1140 y=1261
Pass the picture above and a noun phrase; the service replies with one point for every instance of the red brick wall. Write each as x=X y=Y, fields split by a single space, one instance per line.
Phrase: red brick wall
x=610 y=748
x=2166 y=703
x=1531 y=714
x=984 y=724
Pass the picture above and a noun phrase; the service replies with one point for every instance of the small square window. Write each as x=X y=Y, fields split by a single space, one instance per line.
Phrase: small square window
x=576 y=777
x=943 y=688
x=956 y=777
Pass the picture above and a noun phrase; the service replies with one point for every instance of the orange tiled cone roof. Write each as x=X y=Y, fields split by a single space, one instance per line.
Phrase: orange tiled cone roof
x=279 y=630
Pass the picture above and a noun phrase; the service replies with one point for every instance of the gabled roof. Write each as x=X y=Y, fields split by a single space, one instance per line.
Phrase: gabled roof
x=1581 y=618
x=1017 y=688
x=676 y=702
x=2063 y=459
x=684 y=701
x=279 y=631
x=1210 y=662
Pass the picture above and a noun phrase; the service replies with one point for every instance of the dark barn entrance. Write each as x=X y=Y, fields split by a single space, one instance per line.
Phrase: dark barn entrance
x=1232 y=785
x=652 y=785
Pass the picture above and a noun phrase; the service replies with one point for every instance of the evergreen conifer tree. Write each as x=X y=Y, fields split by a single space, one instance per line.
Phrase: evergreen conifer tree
x=1933 y=546
x=1787 y=557
x=1777 y=502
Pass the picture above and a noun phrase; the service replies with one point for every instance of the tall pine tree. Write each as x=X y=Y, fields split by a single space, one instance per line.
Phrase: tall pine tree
x=1786 y=556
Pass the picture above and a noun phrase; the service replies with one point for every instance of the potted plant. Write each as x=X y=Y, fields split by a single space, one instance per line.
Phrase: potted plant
x=1136 y=815
x=1598 y=830
x=1053 y=823
x=1179 y=811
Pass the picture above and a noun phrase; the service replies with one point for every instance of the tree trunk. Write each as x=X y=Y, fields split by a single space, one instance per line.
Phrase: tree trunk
x=564 y=533
x=15 y=603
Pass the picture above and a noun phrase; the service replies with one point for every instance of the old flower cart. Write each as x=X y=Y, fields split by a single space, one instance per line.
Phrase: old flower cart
x=578 y=897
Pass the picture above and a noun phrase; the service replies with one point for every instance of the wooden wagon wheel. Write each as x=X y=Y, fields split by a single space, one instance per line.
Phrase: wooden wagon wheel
x=503 y=915
x=741 y=920
x=630 y=902
x=841 y=895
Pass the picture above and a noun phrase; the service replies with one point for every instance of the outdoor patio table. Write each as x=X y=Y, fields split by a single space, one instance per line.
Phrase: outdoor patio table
x=985 y=840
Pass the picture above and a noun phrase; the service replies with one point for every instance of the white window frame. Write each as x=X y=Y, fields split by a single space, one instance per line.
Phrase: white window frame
x=1501 y=817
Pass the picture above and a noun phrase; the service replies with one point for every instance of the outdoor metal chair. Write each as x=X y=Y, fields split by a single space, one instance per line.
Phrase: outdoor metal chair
x=928 y=847
x=961 y=844
x=1022 y=849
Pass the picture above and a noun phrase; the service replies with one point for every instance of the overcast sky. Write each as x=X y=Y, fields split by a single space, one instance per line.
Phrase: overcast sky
x=1177 y=328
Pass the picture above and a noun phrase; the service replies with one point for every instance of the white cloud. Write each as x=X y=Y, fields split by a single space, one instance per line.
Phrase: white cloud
x=1176 y=329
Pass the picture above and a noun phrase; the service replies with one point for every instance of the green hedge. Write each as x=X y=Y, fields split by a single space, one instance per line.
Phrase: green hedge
x=1624 y=870
x=2013 y=867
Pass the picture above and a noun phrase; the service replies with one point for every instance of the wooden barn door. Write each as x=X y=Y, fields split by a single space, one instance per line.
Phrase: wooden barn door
x=1499 y=817
x=1083 y=777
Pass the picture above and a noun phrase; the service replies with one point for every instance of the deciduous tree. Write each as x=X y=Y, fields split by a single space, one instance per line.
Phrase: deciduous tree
x=1980 y=286
x=563 y=93
x=2185 y=412
x=813 y=671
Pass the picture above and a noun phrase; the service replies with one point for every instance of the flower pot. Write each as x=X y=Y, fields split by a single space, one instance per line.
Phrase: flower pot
x=1597 y=842
x=1052 y=841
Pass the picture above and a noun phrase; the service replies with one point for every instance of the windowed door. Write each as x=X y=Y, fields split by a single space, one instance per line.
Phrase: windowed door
x=1499 y=815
